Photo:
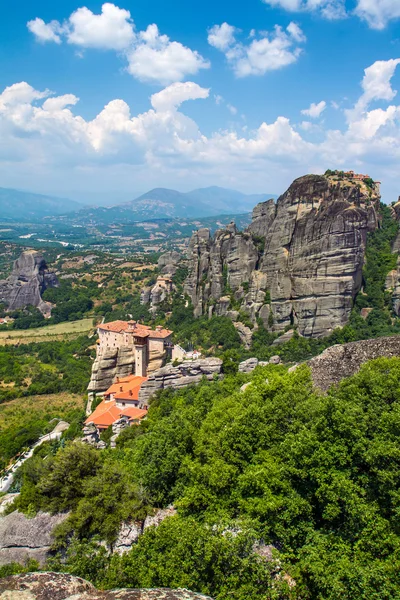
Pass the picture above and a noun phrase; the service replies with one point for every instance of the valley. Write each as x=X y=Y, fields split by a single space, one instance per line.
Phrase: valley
x=198 y=422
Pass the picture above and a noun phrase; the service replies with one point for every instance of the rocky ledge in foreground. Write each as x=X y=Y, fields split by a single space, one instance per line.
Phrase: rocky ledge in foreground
x=61 y=586
x=340 y=361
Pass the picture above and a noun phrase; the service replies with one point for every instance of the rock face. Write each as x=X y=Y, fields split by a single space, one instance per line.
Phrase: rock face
x=22 y=539
x=185 y=374
x=130 y=532
x=300 y=261
x=27 y=282
x=340 y=361
x=115 y=362
x=62 y=586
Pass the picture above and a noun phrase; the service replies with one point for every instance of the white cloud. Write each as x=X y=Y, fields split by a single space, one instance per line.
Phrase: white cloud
x=269 y=52
x=378 y=13
x=315 y=110
x=60 y=102
x=45 y=32
x=376 y=81
x=151 y=56
x=218 y=99
x=221 y=36
x=172 y=96
x=329 y=9
x=41 y=136
x=112 y=29
x=155 y=58
x=232 y=109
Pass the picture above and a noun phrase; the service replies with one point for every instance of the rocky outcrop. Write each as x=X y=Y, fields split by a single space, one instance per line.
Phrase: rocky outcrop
x=300 y=261
x=168 y=262
x=27 y=282
x=22 y=539
x=62 y=586
x=341 y=361
x=218 y=264
x=182 y=375
x=113 y=363
x=129 y=533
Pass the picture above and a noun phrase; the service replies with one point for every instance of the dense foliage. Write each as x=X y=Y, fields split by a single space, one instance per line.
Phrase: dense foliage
x=44 y=368
x=24 y=420
x=316 y=476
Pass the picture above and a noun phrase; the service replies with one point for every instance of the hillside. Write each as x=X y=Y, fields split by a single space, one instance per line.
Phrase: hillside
x=163 y=203
x=25 y=206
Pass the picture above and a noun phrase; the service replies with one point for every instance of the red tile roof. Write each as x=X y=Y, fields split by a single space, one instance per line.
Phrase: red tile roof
x=107 y=413
x=124 y=385
x=135 y=328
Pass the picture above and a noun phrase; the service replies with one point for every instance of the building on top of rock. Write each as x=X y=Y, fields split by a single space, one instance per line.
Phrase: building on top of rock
x=30 y=277
x=141 y=338
x=125 y=348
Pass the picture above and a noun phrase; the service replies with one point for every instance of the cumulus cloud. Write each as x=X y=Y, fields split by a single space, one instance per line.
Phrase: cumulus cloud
x=329 y=9
x=45 y=32
x=151 y=56
x=172 y=96
x=39 y=132
x=112 y=29
x=378 y=13
x=222 y=36
x=268 y=52
x=155 y=58
x=315 y=110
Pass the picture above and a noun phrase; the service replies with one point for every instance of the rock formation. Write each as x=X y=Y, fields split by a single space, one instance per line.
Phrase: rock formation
x=341 y=361
x=62 y=586
x=113 y=363
x=129 y=533
x=27 y=282
x=22 y=539
x=185 y=374
x=299 y=263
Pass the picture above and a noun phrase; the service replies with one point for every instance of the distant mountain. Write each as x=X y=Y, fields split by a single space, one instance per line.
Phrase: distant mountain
x=163 y=202
x=25 y=206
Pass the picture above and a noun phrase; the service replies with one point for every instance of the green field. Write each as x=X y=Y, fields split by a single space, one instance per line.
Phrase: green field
x=66 y=330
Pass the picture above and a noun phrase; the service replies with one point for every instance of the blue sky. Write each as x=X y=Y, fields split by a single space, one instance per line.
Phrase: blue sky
x=110 y=101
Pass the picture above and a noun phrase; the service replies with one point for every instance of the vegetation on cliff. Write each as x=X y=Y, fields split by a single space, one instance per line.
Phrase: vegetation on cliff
x=314 y=476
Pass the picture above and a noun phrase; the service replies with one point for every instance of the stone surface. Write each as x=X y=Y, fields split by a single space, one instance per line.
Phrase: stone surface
x=246 y=366
x=22 y=538
x=300 y=261
x=129 y=533
x=245 y=386
x=62 y=586
x=275 y=360
x=245 y=334
x=27 y=282
x=340 y=361
x=168 y=262
x=179 y=376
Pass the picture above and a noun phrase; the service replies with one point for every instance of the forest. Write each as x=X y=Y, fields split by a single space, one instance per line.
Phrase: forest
x=313 y=477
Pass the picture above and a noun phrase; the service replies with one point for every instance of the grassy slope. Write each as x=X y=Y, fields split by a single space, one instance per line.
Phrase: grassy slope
x=69 y=328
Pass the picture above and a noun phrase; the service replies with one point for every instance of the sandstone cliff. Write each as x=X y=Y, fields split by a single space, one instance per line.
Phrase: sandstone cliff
x=27 y=282
x=299 y=263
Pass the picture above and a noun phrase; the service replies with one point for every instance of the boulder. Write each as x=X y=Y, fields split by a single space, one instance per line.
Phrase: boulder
x=22 y=539
x=182 y=375
x=340 y=361
x=246 y=366
x=275 y=360
x=62 y=586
